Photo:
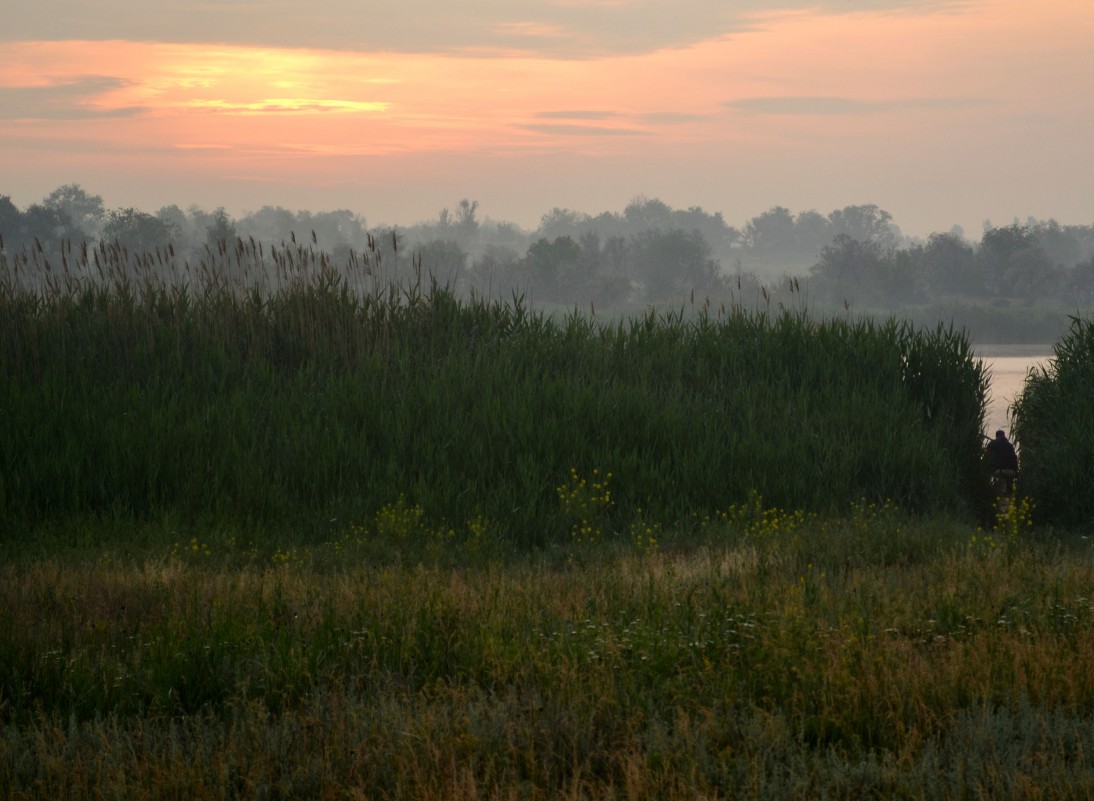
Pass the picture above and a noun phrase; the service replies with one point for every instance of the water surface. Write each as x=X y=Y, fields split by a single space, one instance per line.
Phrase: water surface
x=1008 y=366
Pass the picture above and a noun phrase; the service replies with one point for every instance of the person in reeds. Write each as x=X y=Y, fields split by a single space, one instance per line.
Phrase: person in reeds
x=1002 y=460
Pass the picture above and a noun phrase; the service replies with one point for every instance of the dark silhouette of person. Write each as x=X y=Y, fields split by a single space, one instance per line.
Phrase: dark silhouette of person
x=1002 y=459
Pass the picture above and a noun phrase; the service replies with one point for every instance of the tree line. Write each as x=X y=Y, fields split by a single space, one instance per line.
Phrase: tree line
x=647 y=254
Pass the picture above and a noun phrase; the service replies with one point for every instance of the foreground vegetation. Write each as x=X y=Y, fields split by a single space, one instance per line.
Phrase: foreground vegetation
x=301 y=399
x=295 y=540
x=1054 y=424
x=765 y=654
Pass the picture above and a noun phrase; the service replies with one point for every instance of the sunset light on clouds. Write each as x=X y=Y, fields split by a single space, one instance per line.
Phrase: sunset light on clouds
x=941 y=112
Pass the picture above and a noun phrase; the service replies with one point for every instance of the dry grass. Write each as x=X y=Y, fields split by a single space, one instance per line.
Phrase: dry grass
x=781 y=660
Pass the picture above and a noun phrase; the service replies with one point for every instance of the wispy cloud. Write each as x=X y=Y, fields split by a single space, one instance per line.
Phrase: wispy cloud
x=562 y=129
x=658 y=118
x=578 y=114
x=836 y=106
x=671 y=118
x=80 y=97
x=289 y=105
x=560 y=28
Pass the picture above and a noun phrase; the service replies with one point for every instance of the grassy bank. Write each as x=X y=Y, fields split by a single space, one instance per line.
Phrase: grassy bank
x=767 y=655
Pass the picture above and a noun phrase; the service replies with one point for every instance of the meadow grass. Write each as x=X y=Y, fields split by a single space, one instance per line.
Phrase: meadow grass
x=764 y=654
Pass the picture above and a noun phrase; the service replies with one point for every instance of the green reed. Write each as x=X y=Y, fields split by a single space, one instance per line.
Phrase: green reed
x=314 y=401
x=1054 y=428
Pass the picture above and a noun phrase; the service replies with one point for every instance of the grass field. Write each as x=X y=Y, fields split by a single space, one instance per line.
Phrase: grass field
x=766 y=654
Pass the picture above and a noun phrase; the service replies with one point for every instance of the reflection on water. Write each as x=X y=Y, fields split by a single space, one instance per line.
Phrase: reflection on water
x=1008 y=366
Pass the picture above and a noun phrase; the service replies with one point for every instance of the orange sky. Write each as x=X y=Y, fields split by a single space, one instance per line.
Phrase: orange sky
x=940 y=115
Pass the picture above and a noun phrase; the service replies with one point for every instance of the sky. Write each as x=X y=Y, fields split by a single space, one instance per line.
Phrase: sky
x=942 y=113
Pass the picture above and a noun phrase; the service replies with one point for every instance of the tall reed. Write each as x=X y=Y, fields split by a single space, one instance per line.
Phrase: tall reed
x=1054 y=429
x=315 y=399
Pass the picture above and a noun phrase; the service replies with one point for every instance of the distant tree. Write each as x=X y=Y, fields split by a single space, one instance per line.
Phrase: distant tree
x=561 y=222
x=1080 y=284
x=1000 y=251
x=465 y=217
x=1060 y=245
x=771 y=233
x=644 y=213
x=48 y=224
x=865 y=223
x=86 y=211
x=220 y=232
x=673 y=264
x=548 y=265
x=1032 y=275
x=334 y=228
x=902 y=280
x=849 y=270
x=138 y=231
x=446 y=261
x=11 y=224
x=602 y=276
x=270 y=224
x=949 y=266
x=812 y=231
x=496 y=273
x=504 y=234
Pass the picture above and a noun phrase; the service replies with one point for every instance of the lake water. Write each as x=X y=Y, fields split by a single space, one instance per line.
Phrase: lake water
x=1007 y=366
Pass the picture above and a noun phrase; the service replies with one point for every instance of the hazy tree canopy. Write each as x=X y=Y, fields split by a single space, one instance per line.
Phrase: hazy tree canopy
x=1061 y=246
x=1001 y=252
x=949 y=264
x=647 y=253
x=86 y=211
x=850 y=264
x=674 y=263
x=11 y=221
x=771 y=232
x=445 y=260
x=777 y=232
x=138 y=231
x=866 y=223
x=49 y=224
x=465 y=217
x=562 y=222
x=549 y=264
x=220 y=232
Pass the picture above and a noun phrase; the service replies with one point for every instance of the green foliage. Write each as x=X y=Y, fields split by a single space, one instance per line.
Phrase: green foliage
x=586 y=503
x=315 y=401
x=1054 y=430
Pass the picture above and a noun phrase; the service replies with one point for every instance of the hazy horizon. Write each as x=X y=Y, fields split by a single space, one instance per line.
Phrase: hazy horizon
x=942 y=113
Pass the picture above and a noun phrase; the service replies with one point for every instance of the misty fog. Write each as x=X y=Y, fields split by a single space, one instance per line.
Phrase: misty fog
x=1017 y=283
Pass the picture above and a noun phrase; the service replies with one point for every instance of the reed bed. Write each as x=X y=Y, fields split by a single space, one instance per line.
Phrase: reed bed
x=147 y=392
x=1054 y=427
x=770 y=655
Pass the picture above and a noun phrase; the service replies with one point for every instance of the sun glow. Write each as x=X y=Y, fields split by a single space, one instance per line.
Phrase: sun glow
x=797 y=97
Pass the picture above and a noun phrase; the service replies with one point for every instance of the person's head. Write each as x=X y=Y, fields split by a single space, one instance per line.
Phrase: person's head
x=1000 y=435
